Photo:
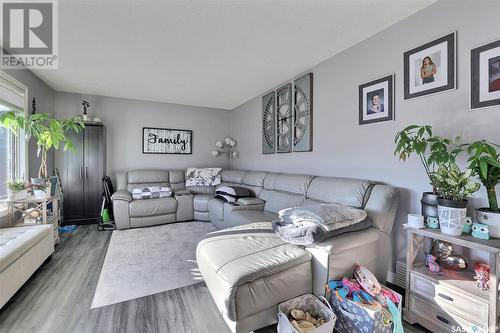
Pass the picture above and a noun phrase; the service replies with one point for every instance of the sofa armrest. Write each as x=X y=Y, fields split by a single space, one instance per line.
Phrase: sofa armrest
x=247 y=201
x=181 y=192
x=382 y=206
x=122 y=195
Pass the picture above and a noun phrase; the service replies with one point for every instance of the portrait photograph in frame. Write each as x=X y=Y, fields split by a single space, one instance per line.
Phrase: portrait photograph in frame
x=485 y=76
x=376 y=100
x=430 y=68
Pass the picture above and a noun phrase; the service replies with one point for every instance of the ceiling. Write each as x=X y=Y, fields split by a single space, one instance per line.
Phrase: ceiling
x=207 y=53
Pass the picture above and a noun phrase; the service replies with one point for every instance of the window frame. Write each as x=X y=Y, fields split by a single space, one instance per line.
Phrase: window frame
x=20 y=144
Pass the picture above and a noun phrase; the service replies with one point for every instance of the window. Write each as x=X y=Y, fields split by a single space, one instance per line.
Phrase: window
x=12 y=148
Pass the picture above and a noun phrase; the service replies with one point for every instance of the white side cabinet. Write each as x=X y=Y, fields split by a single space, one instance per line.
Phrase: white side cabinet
x=450 y=301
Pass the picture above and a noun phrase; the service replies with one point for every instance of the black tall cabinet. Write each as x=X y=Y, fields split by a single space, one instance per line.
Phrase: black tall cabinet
x=82 y=173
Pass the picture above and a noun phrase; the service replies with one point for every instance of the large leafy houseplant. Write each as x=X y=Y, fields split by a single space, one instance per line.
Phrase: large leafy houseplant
x=49 y=132
x=432 y=150
x=452 y=183
x=484 y=161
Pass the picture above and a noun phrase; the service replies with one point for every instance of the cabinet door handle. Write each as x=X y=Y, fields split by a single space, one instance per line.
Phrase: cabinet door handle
x=443 y=319
x=446 y=297
x=86 y=173
x=81 y=172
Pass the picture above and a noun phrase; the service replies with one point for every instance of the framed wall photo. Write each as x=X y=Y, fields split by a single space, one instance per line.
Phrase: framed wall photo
x=430 y=68
x=166 y=141
x=376 y=100
x=485 y=76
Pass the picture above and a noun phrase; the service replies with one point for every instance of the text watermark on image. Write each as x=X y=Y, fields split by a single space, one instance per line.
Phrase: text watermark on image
x=29 y=32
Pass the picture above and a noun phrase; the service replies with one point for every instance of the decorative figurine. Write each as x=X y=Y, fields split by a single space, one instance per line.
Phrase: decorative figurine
x=433 y=222
x=482 y=276
x=468 y=225
x=430 y=261
x=480 y=231
x=85 y=106
x=443 y=252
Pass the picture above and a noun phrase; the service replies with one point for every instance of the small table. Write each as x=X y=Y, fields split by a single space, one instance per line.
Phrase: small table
x=45 y=215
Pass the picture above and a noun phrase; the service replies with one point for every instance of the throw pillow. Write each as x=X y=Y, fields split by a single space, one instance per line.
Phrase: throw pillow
x=234 y=191
x=203 y=176
x=151 y=192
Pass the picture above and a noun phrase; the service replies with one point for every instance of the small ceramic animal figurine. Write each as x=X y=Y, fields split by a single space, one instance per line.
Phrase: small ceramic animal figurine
x=430 y=261
x=480 y=231
x=482 y=276
x=468 y=225
x=433 y=222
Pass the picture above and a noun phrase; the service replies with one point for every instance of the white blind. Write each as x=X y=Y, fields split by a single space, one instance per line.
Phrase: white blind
x=11 y=94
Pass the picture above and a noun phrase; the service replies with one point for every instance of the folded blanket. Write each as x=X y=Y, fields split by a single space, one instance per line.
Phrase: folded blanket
x=306 y=226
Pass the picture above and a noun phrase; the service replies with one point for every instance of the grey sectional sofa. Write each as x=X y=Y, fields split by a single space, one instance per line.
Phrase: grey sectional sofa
x=260 y=270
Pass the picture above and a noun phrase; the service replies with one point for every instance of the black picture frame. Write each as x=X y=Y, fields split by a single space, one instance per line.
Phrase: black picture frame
x=390 y=100
x=475 y=102
x=450 y=39
x=188 y=132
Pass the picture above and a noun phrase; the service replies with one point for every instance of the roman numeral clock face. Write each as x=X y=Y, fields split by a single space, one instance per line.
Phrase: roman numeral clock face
x=284 y=119
x=301 y=116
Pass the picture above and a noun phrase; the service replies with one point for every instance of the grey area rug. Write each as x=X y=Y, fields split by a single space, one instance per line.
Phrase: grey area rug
x=146 y=261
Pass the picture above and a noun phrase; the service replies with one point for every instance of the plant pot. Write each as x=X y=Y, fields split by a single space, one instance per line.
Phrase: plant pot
x=429 y=205
x=37 y=180
x=452 y=216
x=17 y=195
x=491 y=219
x=41 y=194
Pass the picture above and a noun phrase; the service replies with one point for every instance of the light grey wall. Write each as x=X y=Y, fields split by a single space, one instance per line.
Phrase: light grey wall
x=124 y=119
x=343 y=148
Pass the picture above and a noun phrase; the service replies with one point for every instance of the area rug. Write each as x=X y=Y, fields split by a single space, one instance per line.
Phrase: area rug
x=146 y=261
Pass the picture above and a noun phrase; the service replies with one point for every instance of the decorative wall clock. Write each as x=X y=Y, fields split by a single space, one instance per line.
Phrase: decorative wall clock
x=269 y=123
x=302 y=117
x=284 y=117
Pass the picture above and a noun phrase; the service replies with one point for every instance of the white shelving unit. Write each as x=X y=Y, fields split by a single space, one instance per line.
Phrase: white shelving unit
x=450 y=301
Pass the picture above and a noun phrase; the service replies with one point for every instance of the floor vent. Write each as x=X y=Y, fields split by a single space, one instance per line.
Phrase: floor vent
x=401 y=274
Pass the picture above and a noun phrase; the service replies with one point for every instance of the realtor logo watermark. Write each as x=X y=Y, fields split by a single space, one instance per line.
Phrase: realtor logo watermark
x=29 y=33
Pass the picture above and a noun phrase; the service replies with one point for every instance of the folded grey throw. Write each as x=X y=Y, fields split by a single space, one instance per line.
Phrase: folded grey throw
x=305 y=226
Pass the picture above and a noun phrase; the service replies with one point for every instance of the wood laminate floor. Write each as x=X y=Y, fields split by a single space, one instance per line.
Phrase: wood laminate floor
x=57 y=299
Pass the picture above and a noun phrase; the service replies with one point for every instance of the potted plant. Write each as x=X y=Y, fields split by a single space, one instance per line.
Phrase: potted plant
x=453 y=186
x=17 y=189
x=432 y=151
x=41 y=190
x=484 y=161
x=49 y=132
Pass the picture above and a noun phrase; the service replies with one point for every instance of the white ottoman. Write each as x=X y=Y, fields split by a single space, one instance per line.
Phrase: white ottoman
x=22 y=251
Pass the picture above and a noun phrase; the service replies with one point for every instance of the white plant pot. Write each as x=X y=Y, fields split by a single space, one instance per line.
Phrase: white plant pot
x=18 y=195
x=452 y=220
x=40 y=194
x=491 y=219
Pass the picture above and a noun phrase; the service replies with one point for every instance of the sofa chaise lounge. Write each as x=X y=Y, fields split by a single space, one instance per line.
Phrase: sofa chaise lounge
x=260 y=270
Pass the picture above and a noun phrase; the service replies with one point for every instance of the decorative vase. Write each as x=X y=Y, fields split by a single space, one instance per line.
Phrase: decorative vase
x=41 y=194
x=491 y=219
x=452 y=215
x=18 y=195
x=429 y=204
x=37 y=180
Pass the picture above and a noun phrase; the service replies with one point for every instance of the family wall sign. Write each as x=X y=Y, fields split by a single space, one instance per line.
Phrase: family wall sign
x=166 y=141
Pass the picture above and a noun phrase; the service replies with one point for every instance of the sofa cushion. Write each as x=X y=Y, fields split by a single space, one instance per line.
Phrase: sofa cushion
x=200 y=202
x=296 y=184
x=14 y=242
x=344 y=191
x=216 y=208
x=256 y=274
x=232 y=176
x=177 y=180
x=276 y=201
x=254 y=178
x=152 y=207
x=245 y=216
